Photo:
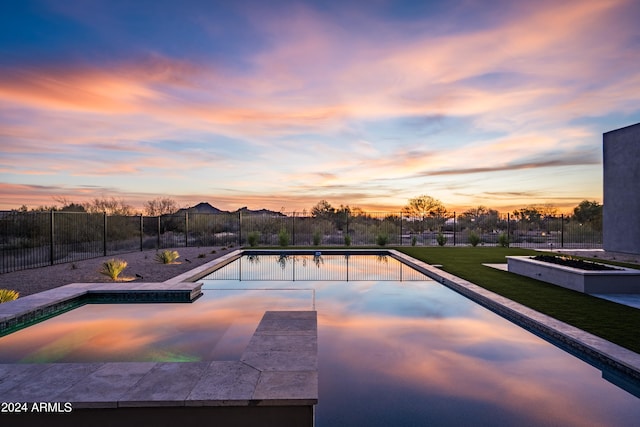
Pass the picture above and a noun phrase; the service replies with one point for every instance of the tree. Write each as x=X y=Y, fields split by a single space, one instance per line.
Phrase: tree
x=322 y=209
x=160 y=206
x=73 y=207
x=529 y=214
x=424 y=206
x=111 y=206
x=588 y=212
x=548 y=210
x=480 y=217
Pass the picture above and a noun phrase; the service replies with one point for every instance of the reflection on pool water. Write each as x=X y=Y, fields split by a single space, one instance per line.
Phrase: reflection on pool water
x=391 y=352
x=218 y=326
x=417 y=353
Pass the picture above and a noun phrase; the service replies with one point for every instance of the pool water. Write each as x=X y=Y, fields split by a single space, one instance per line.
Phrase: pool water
x=414 y=352
x=394 y=347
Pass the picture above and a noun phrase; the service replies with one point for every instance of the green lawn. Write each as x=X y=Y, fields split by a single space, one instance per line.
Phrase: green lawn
x=614 y=322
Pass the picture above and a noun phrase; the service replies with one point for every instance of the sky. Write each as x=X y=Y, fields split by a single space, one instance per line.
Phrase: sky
x=281 y=104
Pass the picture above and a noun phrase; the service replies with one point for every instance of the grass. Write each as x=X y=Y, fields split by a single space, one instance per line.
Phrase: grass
x=614 y=322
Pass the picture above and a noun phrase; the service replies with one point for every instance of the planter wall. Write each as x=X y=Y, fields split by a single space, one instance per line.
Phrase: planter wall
x=622 y=281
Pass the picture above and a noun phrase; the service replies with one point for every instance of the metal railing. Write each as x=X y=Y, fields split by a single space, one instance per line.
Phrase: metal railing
x=36 y=239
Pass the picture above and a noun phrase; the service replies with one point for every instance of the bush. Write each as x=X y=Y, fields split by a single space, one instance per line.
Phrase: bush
x=253 y=238
x=7 y=295
x=167 y=257
x=441 y=239
x=382 y=239
x=347 y=240
x=474 y=239
x=283 y=237
x=414 y=240
x=503 y=240
x=316 y=238
x=113 y=268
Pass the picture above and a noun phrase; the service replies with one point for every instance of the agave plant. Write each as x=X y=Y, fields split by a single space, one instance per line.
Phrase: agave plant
x=167 y=257
x=7 y=295
x=113 y=268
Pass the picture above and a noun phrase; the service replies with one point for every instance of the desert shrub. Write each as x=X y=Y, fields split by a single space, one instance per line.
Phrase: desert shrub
x=7 y=295
x=113 y=268
x=503 y=240
x=474 y=239
x=167 y=257
x=316 y=238
x=253 y=238
x=202 y=255
x=283 y=237
x=442 y=239
x=414 y=240
x=347 y=240
x=382 y=239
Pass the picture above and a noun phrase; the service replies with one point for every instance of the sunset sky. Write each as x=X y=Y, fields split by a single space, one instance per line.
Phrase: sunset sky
x=280 y=104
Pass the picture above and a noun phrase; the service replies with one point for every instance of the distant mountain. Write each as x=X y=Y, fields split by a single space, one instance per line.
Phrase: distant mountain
x=260 y=211
x=204 y=207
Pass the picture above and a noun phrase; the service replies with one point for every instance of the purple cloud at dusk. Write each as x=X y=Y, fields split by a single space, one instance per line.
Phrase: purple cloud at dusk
x=282 y=105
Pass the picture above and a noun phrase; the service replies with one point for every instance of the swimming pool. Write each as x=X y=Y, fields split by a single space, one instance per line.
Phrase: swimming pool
x=394 y=347
x=414 y=352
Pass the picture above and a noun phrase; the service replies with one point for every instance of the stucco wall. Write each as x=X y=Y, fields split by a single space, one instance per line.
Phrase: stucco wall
x=621 y=212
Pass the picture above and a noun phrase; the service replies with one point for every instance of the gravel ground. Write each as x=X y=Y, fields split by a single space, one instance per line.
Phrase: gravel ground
x=143 y=263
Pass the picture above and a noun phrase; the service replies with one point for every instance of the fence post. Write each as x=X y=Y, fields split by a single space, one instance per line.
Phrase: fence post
x=141 y=231
x=562 y=230
x=186 y=229
x=239 y=228
x=454 y=228
x=293 y=229
x=508 y=230
x=347 y=214
x=104 y=234
x=158 y=231
x=51 y=238
x=400 y=228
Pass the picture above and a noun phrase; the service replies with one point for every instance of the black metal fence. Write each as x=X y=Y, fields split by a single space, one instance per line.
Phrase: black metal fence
x=36 y=239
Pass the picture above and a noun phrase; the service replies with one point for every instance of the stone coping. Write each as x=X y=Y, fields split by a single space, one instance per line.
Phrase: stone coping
x=31 y=309
x=596 y=351
x=278 y=368
x=201 y=271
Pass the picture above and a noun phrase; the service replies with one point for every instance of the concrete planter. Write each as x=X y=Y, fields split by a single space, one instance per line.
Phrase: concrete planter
x=622 y=281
